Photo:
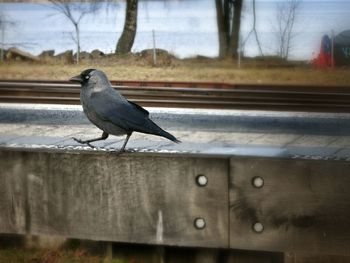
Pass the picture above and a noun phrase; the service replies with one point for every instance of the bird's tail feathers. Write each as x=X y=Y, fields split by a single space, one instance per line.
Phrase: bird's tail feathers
x=156 y=130
x=170 y=136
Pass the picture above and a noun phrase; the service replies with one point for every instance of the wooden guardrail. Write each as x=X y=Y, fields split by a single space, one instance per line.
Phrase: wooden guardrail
x=250 y=203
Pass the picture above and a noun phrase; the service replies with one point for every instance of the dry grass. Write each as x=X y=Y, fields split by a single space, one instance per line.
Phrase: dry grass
x=183 y=70
x=121 y=254
x=48 y=256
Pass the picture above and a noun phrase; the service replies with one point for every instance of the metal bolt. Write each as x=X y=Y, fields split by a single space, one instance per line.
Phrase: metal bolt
x=201 y=180
x=258 y=181
x=258 y=227
x=199 y=223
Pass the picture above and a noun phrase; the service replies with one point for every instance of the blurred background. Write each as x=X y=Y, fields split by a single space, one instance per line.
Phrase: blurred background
x=288 y=29
x=185 y=28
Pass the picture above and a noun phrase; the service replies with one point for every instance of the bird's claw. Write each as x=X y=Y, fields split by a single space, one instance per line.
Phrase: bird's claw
x=117 y=152
x=77 y=140
x=90 y=145
x=83 y=142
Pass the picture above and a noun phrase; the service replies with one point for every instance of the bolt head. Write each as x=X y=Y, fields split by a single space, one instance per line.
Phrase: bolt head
x=258 y=227
x=199 y=223
x=258 y=182
x=201 y=180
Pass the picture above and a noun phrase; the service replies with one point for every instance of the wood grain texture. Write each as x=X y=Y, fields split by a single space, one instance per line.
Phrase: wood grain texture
x=128 y=198
x=245 y=256
x=310 y=258
x=303 y=206
x=12 y=195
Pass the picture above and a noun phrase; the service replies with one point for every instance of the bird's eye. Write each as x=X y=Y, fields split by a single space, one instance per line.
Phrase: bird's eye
x=87 y=77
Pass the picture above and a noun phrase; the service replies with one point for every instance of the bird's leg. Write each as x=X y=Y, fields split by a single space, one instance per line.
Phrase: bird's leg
x=104 y=136
x=125 y=142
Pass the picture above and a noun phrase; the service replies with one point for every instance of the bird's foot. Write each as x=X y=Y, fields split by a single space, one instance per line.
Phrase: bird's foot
x=78 y=140
x=90 y=145
x=119 y=151
x=83 y=142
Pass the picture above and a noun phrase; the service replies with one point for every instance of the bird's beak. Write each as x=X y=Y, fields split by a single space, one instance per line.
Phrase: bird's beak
x=76 y=79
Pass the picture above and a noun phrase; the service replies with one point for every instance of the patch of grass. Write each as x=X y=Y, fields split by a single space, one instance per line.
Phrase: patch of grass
x=184 y=70
x=15 y=255
x=123 y=254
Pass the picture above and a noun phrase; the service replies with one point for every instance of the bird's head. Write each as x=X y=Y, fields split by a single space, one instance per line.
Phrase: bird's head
x=92 y=79
x=83 y=77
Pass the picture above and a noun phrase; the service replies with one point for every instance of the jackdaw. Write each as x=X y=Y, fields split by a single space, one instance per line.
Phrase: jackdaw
x=110 y=111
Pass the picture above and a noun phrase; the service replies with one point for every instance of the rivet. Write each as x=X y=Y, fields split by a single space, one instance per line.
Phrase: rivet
x=258 y=227
x=199 y=223
x=201 y=180
x=258 y=181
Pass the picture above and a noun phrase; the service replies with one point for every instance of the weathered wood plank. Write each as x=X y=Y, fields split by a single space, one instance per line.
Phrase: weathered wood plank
x=129 y=198
x=12 y=195
x=239 y=256
x=310 y=258
x=303 y=205
x=206 y=256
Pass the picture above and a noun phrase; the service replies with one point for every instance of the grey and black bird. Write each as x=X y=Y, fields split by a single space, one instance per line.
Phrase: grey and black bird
x=111 y=112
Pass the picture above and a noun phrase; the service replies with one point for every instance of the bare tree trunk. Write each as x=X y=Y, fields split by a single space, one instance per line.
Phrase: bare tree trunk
x=77 y=32
x=127 y=38
x=222 y=30
x=227 y=19
x=285 y=18
x=255 y=32
x=2 y=42
x=75 y=14
x=236 y=25
x=228 y=14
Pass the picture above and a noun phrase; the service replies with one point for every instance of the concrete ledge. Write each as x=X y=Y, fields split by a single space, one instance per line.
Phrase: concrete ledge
x=211 y=133
x=192 y=119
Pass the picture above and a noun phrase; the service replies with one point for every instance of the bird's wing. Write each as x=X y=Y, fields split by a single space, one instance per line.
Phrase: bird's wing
x=122 y=113
x=139 y=107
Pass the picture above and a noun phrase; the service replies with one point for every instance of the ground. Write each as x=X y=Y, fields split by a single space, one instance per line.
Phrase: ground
x=48 y=256
x=171 y=69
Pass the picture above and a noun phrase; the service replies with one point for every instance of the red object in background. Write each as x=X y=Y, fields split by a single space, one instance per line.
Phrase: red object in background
x=324 y=58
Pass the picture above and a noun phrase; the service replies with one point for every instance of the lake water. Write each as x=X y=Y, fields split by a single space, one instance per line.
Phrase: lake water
x=183 y=27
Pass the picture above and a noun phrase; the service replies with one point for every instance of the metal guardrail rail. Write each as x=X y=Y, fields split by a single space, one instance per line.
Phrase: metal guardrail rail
x=189 y=95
